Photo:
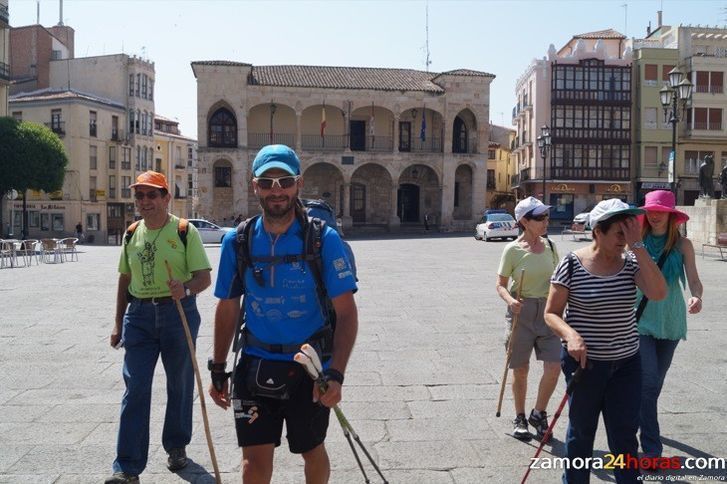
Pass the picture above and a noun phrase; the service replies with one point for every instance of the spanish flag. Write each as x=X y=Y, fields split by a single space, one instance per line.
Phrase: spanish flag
x=323 y=121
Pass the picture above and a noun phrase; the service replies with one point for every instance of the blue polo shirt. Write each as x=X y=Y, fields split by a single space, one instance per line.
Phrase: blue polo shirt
x=286 y=309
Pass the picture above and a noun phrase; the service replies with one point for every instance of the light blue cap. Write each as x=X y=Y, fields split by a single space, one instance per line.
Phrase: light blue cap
x=276 y=156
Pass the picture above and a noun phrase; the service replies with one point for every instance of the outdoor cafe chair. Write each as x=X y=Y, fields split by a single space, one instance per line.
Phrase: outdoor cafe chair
x=68 y=248
x=27 y=250
x=8 y=254
x=50 y=249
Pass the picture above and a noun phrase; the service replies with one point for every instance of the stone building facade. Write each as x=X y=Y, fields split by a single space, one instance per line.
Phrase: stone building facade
x=383 y=146
x=176 y=156
x=4 y=56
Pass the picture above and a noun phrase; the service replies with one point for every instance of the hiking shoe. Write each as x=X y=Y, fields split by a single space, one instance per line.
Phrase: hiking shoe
x=539 y=422
x=521 y=428
x=122 y=478
x=177 y=459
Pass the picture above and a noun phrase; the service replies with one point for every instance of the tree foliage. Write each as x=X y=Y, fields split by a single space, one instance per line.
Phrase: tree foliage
x=31 y=157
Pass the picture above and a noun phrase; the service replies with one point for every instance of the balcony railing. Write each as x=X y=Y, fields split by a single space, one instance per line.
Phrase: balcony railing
x=587 y=173
x=707 y=126
x=709 y=89
x=117 y=134
x=430 y=145
x=333 y=142
x=58 y=127
x=591 y=133
x=180 y=164
x=258 y=140
x=4 y=13
x=92 y=130
x=570 y=95
x=4 y=71
x=514 y=181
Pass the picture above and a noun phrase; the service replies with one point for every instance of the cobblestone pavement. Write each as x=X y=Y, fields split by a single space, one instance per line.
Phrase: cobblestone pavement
x=421 y=389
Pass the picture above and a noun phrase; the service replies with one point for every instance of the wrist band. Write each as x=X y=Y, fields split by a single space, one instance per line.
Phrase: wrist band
x=333 y=374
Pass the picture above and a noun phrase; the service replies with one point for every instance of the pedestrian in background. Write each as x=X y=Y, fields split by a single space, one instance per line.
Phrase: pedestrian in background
x=148 y=325
x=535 y=253
x=598 y=284
x=663 y=323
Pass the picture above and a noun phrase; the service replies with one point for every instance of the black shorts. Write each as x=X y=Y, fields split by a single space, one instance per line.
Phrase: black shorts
x=259 y=420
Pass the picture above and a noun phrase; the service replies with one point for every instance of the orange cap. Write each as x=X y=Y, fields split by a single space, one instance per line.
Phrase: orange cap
x=151 y=179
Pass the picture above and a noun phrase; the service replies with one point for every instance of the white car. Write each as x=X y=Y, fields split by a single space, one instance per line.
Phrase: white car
x=496 y=224
x=209 y=232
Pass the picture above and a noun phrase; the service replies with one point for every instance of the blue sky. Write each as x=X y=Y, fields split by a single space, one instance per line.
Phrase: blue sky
x=500 y=37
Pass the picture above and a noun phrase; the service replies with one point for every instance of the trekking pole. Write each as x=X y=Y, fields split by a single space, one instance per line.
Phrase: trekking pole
x=190 y=344
x=568 y=391
x=308 y=357
x=515 y=318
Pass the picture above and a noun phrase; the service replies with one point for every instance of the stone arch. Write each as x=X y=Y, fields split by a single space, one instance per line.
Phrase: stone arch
x=223 y=190
x=221 y=125
x=463 y=192
x=271 y=123
x=464 y=132
x=324 y=181
x=413 y=204
x=371 y=189
x=371 y=128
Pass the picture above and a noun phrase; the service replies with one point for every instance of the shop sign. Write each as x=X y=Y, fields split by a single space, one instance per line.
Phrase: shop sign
x=615 y=188
x=41 y=206
x=564 y=188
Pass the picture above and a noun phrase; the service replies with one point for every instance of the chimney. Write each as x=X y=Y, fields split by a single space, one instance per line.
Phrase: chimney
x=648 y=29
x=60 y=15
x=658 y=19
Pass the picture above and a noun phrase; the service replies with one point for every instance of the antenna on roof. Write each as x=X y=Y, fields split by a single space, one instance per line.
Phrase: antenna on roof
x=626 y=19
x=60 y=14
x=427 y=62
x=37 y=12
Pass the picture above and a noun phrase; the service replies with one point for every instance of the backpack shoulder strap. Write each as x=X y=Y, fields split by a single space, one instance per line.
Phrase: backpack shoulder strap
x=244 y=247
x=130 y=232
x=312 y=247
x=182 y=230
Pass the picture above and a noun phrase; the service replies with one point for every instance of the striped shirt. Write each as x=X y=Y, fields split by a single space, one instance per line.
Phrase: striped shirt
x=601 y=308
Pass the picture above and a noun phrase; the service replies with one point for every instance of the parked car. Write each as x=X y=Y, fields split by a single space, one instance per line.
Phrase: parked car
x=580 y=221
x=496 y=224
x=209 y=232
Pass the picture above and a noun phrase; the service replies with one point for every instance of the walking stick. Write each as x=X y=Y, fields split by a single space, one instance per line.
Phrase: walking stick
x=202 y=404
x=509 y=346
x=568 y=390
x=312 y=363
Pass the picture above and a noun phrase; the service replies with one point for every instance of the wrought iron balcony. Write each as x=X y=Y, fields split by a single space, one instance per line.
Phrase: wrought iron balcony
x=4 y=14
x=327 y=142
x=58 y=127
x=4 y=71
x=258 y=140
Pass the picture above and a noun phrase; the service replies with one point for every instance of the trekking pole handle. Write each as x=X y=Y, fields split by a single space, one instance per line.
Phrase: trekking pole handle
x=574 y=381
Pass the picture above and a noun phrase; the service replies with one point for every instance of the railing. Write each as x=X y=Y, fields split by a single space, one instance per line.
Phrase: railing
x=117 y=134
x=524 y=175
x=180 y=163
x=514 y=181
x=4 y=71
x=379 y=143
x=707 y=126
x=709 y=89
x=591 y=133
x=92 y=130
x=126 y=165
x=586 y=173
x=334 y=142
x=258 y=140
x=126 y=193
x=58 y=127
x=4 y=13
x=572 y=95
x=430 y=145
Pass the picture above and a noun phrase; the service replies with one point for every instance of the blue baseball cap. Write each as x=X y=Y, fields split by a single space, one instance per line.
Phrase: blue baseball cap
x=276 y=156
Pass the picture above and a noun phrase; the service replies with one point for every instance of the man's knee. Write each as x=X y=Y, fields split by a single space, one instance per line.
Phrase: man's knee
x=257 y=464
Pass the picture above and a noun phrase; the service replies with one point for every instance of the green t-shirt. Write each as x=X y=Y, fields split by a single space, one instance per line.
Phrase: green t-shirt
x=538 y=268
x=145 y=253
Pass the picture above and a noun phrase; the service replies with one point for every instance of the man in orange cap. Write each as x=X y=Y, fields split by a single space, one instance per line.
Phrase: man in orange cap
x=148 y=325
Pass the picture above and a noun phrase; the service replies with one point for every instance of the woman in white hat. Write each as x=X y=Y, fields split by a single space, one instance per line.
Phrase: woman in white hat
x=663 y=323
x=535 y=253
x=598 y=284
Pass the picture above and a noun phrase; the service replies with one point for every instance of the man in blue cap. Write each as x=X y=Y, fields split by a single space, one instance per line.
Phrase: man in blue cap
x=282 y=309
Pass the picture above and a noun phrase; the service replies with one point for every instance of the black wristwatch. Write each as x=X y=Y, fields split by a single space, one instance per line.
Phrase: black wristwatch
x=216 y=367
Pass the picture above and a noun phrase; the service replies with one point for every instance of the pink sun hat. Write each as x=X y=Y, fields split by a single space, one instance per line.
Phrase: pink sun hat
x=663 y=201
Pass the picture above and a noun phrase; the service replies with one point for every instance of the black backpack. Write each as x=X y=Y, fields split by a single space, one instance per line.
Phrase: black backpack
x=313 y=227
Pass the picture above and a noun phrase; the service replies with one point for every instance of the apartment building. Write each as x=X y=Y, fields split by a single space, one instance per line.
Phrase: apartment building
x=499 y=168
x=94 y=189
x=701 y=54
x=33 y=49
x=176 y=156
x=586 y=103
x=4 y=56
x=383 y=146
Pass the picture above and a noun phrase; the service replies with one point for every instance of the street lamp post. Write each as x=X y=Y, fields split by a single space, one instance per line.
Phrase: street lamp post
x=544 y=144
x=679 y=89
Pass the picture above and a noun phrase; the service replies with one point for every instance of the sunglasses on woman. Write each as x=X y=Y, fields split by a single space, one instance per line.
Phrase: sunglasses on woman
x=282 y=181
x=538 y=218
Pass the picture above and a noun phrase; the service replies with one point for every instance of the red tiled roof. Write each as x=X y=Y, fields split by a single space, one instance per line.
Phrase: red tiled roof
x=51 y=94
x=332 y=77
x=220 y=63
x=601 y=34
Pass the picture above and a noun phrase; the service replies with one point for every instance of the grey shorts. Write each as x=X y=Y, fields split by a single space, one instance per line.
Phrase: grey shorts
x=531 y=332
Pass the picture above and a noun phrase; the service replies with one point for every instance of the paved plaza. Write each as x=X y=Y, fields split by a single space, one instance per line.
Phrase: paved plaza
x=421 y=388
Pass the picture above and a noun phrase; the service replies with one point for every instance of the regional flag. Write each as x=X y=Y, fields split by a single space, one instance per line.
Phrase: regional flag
x=423 y=131
x=323 y=121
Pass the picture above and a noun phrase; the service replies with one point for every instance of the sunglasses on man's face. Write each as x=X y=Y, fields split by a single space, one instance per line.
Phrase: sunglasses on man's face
x=282 y=181
x=150 y=195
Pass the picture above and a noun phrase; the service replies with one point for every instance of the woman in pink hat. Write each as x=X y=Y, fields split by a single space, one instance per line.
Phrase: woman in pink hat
x=663 y=323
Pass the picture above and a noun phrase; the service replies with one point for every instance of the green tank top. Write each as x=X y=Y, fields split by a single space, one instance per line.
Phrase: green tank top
x=665 y=319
